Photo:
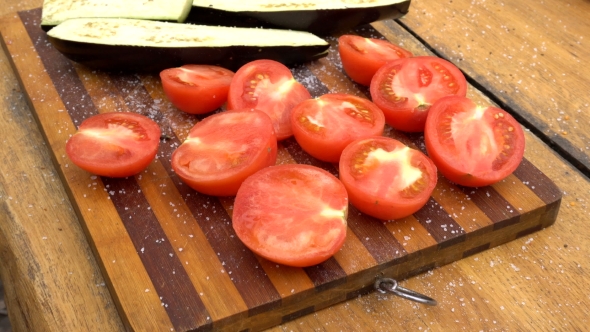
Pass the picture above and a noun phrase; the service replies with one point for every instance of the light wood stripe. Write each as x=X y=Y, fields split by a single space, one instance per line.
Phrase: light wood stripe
x=410 y=234
x=518 y=195
x=222 y=240
x=86 y=190
x=188 y=241
x=184 y=311
x=459 y=204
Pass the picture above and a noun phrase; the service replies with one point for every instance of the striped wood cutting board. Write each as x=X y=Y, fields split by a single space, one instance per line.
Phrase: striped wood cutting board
x=170 y=256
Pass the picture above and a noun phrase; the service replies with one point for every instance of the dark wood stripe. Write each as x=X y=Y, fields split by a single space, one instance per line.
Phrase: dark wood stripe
x=538 y=182
x=550 y=215
x=259 y=295
x=368 y=31
x=68 y=85
x=177 y=293
x=375 y=236
x=529 y=231
x=182 y=303
x=297 y=314
x=507 y=222
x=326 y=275
x=493 y=205
x=303 y=75
x=476 y=250
x=437 y=221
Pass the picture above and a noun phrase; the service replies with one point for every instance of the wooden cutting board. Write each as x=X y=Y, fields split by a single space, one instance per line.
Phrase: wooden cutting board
x=169 y=254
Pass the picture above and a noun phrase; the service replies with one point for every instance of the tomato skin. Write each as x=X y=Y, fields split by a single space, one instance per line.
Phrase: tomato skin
x=456 y=132
x=292 y=214
x=362 y=57
x=269 y=86
x=405 y=89
x=223 y=149
x=386 y=179
x=324 y=126
x=196 y=89
x=116 y=144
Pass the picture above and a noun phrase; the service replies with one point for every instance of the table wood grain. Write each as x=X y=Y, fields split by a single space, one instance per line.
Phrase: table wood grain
x=529 y=56
x=53 y=283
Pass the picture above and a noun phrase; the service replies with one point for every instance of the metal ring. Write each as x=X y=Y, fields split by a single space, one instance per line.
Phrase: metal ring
x=384 y=285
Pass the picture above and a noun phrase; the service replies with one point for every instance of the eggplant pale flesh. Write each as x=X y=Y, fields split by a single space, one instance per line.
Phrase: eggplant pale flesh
x=56 y=11
x=149 y=46
x=319 y=17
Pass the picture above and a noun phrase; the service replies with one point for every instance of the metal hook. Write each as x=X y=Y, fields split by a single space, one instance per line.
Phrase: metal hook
x=384 y=285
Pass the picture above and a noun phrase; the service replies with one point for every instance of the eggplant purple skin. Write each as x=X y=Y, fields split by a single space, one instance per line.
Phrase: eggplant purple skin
x=145 y=59
x=318 y=22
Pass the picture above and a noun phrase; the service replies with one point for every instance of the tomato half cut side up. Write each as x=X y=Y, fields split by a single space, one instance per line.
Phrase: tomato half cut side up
x=405 y=89
x=196 y=89
x=269 y=86
x=324 y=126
x=292 y=214
x=116 y=144
x=361 y=57
x=471 y=145
x=385 y=178
x=222 y=150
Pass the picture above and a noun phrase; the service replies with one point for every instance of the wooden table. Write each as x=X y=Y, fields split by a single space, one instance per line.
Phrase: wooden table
x=528 y=57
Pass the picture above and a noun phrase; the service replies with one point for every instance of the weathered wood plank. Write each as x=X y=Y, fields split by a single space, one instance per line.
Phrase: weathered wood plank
x=530 y=56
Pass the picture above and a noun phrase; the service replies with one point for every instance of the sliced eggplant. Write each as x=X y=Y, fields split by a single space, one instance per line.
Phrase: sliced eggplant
x=56 y=11
x=322 y=17
x=149 y=46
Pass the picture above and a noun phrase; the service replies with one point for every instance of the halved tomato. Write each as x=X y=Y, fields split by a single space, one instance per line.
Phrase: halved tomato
x=292 y=214
x=406 y=88
x=224 y=149
x=385 y=178
x=324 y=126
x=362 y=57
x=116 y=144
x=472 y=145
x=268 y=86
x=196 y=89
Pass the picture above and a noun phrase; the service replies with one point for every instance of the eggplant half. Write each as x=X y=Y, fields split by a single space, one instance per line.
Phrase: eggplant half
x=54 y=12
x=323 y=17
x=150 y=46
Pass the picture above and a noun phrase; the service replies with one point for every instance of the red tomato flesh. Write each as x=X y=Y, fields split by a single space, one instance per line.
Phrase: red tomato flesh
x=324 y=126
x=116 y=144
x=292 y=214
x=386 y=179
x=362 y=57
x=406 y=88
x=471 y=145
x=268 y=86
x=196 y=89
x=224 y=149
